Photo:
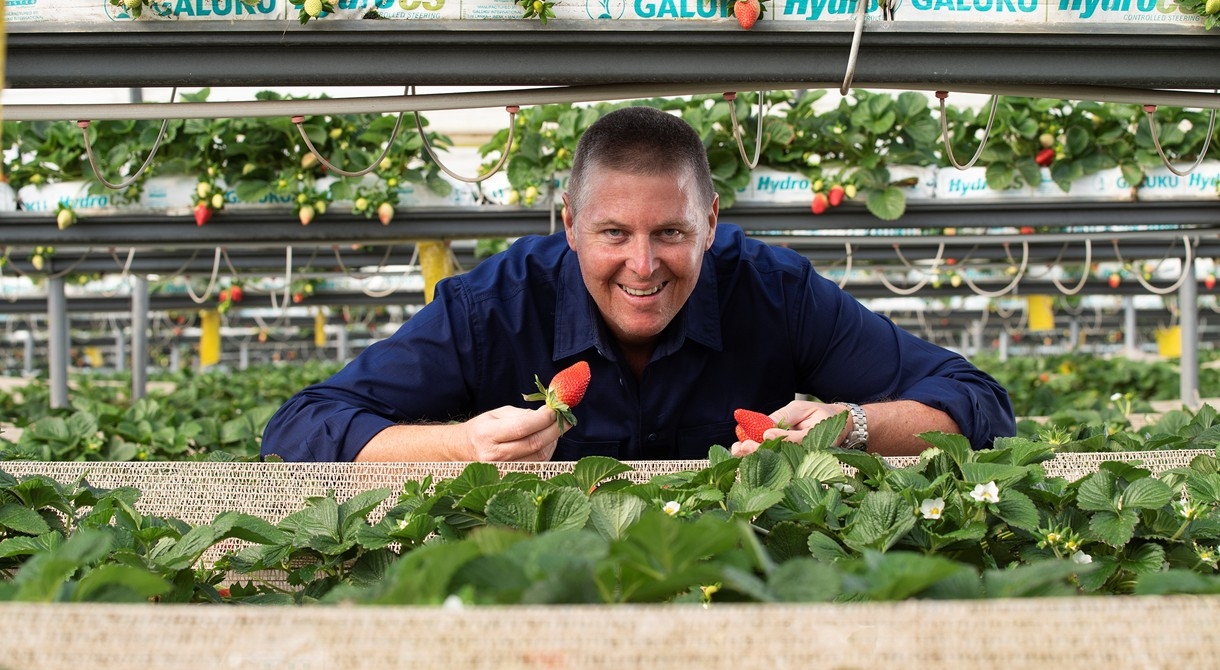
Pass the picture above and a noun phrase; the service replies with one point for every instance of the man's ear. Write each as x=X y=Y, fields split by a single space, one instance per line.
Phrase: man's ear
x=569 y=223
x=712 y=217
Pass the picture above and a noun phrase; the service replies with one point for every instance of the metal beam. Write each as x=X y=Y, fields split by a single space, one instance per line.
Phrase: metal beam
x=486 y=53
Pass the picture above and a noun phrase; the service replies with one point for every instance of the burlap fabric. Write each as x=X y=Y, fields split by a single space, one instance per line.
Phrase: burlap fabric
x=1081 y=632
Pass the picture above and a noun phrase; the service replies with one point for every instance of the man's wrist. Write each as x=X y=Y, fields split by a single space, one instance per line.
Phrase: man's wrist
x=857 y=437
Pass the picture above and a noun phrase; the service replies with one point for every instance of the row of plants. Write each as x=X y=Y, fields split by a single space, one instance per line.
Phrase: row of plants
x=791 y=522
x=221 y=414
x=846 y=150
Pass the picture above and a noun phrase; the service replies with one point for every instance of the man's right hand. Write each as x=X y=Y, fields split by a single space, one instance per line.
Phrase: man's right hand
x=500 y=435
x=513 y=434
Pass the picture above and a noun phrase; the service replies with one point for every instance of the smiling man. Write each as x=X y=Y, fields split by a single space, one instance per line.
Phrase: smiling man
x=681 y=319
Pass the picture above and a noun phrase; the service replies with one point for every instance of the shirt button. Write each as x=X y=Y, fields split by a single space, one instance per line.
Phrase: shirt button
x=652 y=437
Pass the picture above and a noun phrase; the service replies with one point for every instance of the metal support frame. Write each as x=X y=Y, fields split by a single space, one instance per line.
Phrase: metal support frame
x=1188 y=364
x=139 y=337
x=456 y=53
x=57 y=342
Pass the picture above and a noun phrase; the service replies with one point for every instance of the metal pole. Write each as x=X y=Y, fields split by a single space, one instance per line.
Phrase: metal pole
x=341 y=345
x=139 y=337
x=1074 y=334
x=57 y=341
x=1129 y=334
x=1004 y=341
x=243 y=354
x=1188 y=308
x=120 y=349
x=27 y=365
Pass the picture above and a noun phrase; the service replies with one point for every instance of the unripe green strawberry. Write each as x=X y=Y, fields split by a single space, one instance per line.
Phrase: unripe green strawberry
x=306 y=215
x=313 y=8
x=849 y=191
x=131 y=4
x=1212 y=7
x=361 y=204
x=202 y=189
x=65 y=218
x=218 y=200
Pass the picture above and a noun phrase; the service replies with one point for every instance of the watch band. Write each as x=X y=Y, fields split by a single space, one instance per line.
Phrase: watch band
x=858 y=437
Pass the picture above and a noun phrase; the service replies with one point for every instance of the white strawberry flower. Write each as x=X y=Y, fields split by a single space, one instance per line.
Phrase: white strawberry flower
x=672 y=507
x=1185 y=125
x=1081 y=558
x=1116 y=397
x=986 y=493
x=931 y=508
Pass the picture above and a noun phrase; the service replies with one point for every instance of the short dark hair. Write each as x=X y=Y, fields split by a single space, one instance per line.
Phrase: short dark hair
x=643 y=141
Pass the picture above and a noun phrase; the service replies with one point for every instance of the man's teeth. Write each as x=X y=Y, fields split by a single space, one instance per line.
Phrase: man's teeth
x=644 y=292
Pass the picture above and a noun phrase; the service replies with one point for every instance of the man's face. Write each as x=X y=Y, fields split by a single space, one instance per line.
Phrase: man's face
x=640 y=242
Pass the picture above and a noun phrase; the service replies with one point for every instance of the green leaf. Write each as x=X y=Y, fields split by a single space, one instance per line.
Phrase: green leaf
x=1097 y=492
x=22 y=519
x=747 y=503
x=1176 y=581
x=119 y=583
x=1146 y=493
x=898 y=575
x=804 y=580
x=514 y=508
x=613 y=513
x=247 y=527
x=882 y=519
x=956 y=447
x=1017 y=510
x=1040 y=579
x=563 y=509
x=1000 y=176
x=1114 y=528
x=888 y=204
x=824 y=548
x=825 y=434
x=1148 y=557
x=593 y=470
x=821 y=466
x=25 y=545
x=765 y=469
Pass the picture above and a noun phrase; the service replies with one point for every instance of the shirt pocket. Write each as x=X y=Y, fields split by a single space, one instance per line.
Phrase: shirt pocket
x=695 y=442
x=574 y=450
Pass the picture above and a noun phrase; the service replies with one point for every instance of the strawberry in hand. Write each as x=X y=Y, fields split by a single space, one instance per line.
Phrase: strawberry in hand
x=565 y=391
x=751 y=425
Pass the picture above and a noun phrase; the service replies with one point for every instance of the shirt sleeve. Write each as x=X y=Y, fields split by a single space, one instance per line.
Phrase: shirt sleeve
x=420 y=373
x=860 y=356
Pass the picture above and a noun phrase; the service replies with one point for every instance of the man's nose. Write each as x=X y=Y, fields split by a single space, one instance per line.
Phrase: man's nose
x=643 y=259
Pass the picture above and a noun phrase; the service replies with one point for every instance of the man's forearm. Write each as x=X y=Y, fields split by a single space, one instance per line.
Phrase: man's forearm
x=893 y=427
x=430 y=442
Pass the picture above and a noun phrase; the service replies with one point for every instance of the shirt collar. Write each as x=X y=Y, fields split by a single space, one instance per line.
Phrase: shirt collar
x=578 y=324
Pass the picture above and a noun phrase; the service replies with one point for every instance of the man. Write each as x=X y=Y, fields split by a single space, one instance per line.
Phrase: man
x=681 y=319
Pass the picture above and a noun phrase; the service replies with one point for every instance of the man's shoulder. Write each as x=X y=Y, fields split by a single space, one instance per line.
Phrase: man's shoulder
x=733 y=248
x=526 y=263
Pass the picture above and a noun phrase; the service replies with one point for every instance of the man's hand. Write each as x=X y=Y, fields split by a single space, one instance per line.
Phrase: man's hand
x=513 y=434
x=499 y=435
x=799 y=416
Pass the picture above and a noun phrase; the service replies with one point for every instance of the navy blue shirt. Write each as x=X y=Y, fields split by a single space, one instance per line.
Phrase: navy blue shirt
x=760 y=327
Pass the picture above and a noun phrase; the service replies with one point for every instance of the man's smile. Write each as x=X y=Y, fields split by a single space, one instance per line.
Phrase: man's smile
x=642 y=292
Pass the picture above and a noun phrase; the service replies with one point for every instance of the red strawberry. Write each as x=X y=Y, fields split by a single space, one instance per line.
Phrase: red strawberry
x=224 y=295
x=306 y=213
x=203 y=214
x=1210 y=281
x=566 y=390
x=836 y=195
x=751 y=425
x=1114 y=280
x=747 y=12
x=235 y=292
x=820 y=203
x=1045 y=157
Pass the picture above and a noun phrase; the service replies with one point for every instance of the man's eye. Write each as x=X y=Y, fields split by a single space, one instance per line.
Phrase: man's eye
x=612 y=232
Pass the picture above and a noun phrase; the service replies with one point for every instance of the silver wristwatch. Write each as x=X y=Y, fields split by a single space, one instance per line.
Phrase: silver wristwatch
x=858 y=437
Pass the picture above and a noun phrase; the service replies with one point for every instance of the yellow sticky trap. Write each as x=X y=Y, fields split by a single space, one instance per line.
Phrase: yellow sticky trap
x=1041 y=316
x=319 y=329
x=435 y=263
x=94 y=355
x=1169 y=342
x=209 y=338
